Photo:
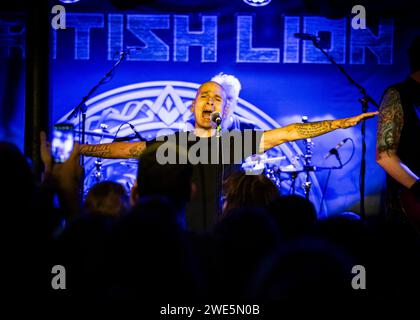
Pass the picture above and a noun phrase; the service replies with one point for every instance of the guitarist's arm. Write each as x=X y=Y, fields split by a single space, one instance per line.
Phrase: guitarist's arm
x=390 y=124
x=393 y=165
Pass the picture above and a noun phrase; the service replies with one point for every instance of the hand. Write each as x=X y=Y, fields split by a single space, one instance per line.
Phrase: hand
x=69 y=172
x=350 y=122
x=67 y=177
x=45 y=151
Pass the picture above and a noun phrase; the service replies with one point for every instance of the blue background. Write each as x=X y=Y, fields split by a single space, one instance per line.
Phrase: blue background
x=283 y=91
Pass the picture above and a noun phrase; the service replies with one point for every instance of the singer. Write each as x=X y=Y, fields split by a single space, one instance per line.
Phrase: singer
x=203 y=209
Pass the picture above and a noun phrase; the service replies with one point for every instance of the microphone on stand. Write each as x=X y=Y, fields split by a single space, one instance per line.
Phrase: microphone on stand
x=128 y=138
x=130 y=51
x=335 y=149
x=306 y=36
x=217 y=119
x=135 y=131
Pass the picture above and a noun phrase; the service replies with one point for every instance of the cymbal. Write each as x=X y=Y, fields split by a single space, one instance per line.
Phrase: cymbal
x=255 y=162
x=130 y=163
x=289 y=169
x=97 y=134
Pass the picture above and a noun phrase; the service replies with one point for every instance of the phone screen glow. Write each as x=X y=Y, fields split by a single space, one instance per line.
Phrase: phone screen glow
x=62 y=143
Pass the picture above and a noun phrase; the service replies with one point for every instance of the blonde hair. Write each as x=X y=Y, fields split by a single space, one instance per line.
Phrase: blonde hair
x=228 y=82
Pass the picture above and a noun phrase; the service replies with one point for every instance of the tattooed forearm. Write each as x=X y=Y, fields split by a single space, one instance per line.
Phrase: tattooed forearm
x=137 y=150
x=390 y=122
x=298 y=131
x=97 y=150
x=313 y=129
x=115 y=150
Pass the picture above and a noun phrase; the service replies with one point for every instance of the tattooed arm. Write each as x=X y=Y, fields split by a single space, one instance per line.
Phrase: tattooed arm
x=115 y=150
x=297 y=131
x=390 y=124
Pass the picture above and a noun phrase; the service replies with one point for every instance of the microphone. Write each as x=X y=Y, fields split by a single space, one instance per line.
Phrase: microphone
x=128 y=138
x=334 y=150
x=216 y=117
x=306 y=36
x=131 y=50
x=135 y=131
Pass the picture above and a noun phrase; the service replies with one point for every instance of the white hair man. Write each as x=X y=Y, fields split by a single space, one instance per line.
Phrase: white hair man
x=232 y=88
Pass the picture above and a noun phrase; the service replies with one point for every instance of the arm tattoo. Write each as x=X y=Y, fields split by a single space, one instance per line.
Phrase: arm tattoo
x=98 y=150
x=390 y=122
x=313 y=129
x=137 y=150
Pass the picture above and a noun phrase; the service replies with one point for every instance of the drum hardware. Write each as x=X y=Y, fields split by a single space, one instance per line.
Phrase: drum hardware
x=104 y=127
x=308 y=167
x=97 y=173
x=96 y=134
x=263 y=161
x=132 y=164
x=300 y=163
x=81 y=108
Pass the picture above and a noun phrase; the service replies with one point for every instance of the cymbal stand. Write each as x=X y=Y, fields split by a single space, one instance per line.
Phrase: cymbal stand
x=293 y=184
x=81 y=108
x=308 y=167
x=97 y=173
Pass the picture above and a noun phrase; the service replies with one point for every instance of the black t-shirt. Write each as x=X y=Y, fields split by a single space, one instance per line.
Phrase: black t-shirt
x=212 y=158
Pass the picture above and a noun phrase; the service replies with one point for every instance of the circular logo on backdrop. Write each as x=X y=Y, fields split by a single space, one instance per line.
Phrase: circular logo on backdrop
x=257 y=3
x=148 y=109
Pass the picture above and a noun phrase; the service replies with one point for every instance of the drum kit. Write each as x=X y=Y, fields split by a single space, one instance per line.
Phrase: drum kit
x=285 y=172
x=99 y=169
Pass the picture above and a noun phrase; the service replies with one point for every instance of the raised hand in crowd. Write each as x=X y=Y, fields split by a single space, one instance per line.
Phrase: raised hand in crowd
x=63 y=178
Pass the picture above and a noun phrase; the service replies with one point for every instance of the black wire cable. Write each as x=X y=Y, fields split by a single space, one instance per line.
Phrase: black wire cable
x=345 y=163
x=333 y=168
x=118 y=130
x=324 y=191
x=132 y=127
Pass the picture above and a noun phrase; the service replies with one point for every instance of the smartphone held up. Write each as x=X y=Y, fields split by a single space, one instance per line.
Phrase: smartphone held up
x=62 y=142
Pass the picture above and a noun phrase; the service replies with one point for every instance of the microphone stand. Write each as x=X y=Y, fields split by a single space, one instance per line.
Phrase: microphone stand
x=364 y=100
x=218 y=129
x=81 y=108
x=220 y=169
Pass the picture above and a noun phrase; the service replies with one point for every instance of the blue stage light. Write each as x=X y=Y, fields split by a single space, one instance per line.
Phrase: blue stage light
x=69 y=1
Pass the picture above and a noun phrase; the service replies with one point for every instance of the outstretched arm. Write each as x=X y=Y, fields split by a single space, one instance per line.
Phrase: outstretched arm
x=297 y=131
x=390 y=124
x=115 y=150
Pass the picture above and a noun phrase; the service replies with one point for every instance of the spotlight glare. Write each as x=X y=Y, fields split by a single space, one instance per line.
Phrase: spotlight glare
x=69 y=1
